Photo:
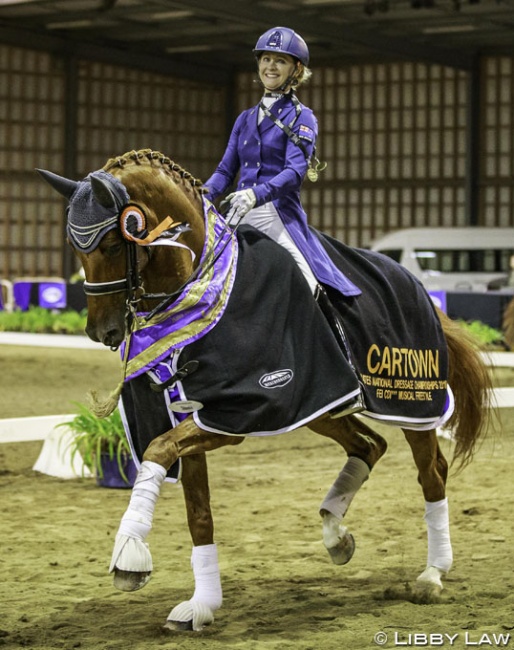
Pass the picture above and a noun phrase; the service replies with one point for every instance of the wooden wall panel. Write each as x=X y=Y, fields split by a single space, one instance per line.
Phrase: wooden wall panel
x=394 y=138
x=122 y=109
x=31 y=135
x=497 y=160
x=117 y=109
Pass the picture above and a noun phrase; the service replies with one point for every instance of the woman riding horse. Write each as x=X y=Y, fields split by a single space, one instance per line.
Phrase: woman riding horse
x=220 y=338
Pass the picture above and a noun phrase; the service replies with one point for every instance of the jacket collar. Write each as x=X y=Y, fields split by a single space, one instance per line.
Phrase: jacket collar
x=283 y=108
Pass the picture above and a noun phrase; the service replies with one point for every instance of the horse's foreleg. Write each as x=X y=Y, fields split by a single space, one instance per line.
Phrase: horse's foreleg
x=131 y=560
x=195 y=484
x=207 y=598
x=432 y=473
x=364 y=448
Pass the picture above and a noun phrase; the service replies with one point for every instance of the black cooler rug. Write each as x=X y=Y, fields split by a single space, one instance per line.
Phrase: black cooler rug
x=272 y=363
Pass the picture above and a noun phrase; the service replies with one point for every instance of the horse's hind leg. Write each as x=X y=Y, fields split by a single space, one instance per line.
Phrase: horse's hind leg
x=432 y=473
x=364 y=448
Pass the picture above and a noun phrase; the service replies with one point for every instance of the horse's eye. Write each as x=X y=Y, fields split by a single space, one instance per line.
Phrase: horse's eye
x=114 y=249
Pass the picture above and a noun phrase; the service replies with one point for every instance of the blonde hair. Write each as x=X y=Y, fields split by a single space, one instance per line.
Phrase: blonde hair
x=303 y=76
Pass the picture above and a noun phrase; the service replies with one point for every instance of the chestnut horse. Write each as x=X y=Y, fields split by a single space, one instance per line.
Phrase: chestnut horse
x=166 y=277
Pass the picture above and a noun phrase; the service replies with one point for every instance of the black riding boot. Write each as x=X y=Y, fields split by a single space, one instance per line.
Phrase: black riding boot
x=336 y=325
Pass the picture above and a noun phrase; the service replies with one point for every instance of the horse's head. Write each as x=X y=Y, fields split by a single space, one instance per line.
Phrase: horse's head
x=115 y=219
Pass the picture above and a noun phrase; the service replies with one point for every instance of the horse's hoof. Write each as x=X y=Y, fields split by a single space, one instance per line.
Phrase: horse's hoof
x=428 y=587
x=179 y=626
x=130 y=580
x=426 y=593
x=343 y=551
x=189 y=615
x=131 y=563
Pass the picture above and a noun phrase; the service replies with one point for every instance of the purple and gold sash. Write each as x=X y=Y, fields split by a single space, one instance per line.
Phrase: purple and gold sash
x=196 y=310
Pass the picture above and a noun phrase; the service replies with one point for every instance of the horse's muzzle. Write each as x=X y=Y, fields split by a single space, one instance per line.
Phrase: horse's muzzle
x=112 y=337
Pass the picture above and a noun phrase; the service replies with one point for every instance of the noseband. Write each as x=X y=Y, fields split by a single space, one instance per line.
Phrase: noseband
x=105 y=288
x=129 y=284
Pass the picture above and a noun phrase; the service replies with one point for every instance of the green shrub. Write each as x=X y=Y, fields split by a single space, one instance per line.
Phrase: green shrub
x=37 y=320
x=96 y=436
x=486 y=336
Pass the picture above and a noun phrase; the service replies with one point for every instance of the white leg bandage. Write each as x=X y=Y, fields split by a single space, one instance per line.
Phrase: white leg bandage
x=345 y=487
x=199 y=611
x=130 y=551
x=440 y=554
x=204 y=561
x=137 y=520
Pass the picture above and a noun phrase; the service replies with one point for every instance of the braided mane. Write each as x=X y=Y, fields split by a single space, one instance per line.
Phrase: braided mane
x=155 y=158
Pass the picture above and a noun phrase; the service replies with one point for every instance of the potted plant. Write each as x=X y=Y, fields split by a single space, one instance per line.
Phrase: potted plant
x=103 y=446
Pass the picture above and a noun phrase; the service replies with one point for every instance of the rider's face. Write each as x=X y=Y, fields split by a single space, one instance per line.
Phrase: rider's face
x=275 y=69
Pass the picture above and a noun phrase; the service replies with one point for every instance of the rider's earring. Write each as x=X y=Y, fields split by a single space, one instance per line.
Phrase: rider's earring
x=133 y=223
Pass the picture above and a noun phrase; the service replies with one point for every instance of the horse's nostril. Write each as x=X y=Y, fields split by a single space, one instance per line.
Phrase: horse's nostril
x=112 y=339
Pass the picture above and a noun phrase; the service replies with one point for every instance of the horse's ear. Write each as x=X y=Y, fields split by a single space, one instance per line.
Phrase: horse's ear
x=64 y=186
x=103 y=193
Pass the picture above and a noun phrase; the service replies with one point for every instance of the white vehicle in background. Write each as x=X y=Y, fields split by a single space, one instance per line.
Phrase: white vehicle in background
x=453 y=259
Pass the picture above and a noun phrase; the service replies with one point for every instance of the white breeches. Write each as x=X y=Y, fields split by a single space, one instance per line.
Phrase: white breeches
x=266 y=219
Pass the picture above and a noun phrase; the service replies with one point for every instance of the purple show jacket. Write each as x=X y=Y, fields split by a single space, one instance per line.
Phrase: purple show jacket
x=274 y=167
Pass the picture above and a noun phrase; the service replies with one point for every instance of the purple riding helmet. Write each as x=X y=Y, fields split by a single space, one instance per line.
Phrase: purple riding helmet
x=284 y=40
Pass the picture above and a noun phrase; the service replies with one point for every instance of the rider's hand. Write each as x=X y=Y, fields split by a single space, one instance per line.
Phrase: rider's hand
x=240 y=203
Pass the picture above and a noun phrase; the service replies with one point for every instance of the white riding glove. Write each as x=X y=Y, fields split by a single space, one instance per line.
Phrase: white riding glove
x=240 y=203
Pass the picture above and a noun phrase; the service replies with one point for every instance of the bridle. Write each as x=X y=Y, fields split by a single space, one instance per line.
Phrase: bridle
x=129 y=284
x=132 y=284
x=105 y=288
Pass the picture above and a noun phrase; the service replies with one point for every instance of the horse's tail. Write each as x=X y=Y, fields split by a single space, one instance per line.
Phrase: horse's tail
x=471 y=383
